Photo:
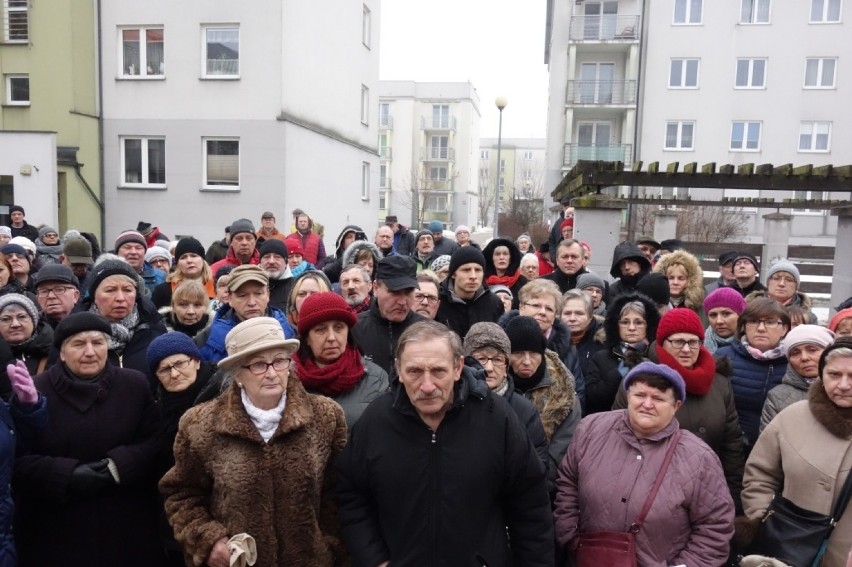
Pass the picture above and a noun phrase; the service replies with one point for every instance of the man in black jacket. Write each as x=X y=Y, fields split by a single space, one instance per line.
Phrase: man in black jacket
x=464 y=300
x=403 y=239
x=19 y=226
x=378 y=328
x=440 y=454
x=556 y=230
x=569 y=265
x=273 y=261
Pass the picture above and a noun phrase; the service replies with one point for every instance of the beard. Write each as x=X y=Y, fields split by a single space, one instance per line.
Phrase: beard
x=355 y=299
x=273 y=275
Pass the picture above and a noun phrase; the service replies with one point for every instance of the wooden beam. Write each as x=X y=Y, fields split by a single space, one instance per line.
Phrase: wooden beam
x=785 y=169
x=823 y=170
x=745 y=169
x=803 y=170
x=690 y=168
x=636 y=167
x=727 y=169
x=654 y=167
x=709 y=168
x=763 y=169
x=672 y=167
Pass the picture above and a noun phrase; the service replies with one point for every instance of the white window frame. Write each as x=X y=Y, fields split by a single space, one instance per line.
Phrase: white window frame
x=528 y=155
x=226 y=74
x=684 y=64
x=204 y=164
x=679 y=147
x=820 y=63
x=437 y=201
x=483 y=154
x=824 y=12
x=384 y=199
x=442 y=172
x=144 y=182
x=747 y=128
x=366 y=26
x=17 y=35
x=751 y=18
x=810 y=129
x=384 y=114
x=750 y=61
x=9 y=79
x=686 y=7
x=143 y=71
x=365 y=105
x=502 y=166
x=365 y=181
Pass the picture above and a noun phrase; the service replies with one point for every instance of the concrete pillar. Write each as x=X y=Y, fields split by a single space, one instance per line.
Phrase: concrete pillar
x=776 y=240
x=665 y=225
x=597 y=221
x=841 y=280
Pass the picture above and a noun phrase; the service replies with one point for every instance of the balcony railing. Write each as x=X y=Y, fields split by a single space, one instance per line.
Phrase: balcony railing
x=601 y=92
x=385 y=152
x=610 y=152
x=386 y=122
x=385 y=183
x=439 y=184
x=609 y=27
x=438 y=154
x=444 y=122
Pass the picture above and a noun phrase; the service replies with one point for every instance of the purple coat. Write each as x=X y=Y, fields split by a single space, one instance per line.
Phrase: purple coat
x=607 y=474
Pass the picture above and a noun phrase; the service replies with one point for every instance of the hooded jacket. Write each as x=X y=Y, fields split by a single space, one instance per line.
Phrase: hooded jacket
x=514 y=265
x=693 y=293
x=355 y=248
x=627 y=250
x=793 y=388
x=333 y=266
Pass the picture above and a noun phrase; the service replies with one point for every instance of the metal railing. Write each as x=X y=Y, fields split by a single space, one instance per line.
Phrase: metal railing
x=386 y=122
x=601 y=92
x=609 y=152
x=16 y=25
x=385 y=183
x=608 y=27
x=445 y=122
x=385 y=152
x=438 y=154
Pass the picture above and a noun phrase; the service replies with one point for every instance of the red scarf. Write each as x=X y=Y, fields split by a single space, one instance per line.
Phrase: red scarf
x=699 y=379
x=337 y=378
x=507 y=281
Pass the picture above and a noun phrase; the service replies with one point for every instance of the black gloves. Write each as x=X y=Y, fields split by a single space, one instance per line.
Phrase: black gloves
x=90 y=478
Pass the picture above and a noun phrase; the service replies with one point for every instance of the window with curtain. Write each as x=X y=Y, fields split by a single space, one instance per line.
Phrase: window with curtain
x=745 y=136
x=142 y=52
x=222 y=52
x=819 y=73
x=683 y=74
x=754 y=12
x=680 y=135
x=814 y=136
x=825 y=11
x=687 y=11
x=143 y=161
x=221 y=163
x=751 y=74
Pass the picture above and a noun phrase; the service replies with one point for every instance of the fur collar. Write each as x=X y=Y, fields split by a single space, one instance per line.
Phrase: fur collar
x=837 y=420
x=555 y=402
x=693 y=294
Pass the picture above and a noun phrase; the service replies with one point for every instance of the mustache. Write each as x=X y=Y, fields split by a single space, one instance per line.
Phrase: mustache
x=433 y=396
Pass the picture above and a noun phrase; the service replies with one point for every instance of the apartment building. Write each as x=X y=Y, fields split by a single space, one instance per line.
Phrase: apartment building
x=750 y=81
x=520 y=176
x=428 y=146
x=219 y=110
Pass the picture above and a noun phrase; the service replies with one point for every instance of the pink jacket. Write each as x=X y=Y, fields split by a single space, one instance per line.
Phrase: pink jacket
x=607 y=474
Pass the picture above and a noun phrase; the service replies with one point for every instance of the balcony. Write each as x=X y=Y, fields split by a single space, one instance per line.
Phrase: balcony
x=385 y=183
x=601 y=93
x=609 y=27
x=438 y=154
x=385 y=152
x=385 y=122
x=610 y=152
x=439 y=185
x=447 y=123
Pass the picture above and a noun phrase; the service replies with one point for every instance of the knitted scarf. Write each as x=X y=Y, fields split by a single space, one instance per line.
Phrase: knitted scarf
x=337 y=378
x=712 y=341
x=266 y=421
x=699 y=378
x=122 y=331
x=757 y=354
x=524 y=384
x=507 y=281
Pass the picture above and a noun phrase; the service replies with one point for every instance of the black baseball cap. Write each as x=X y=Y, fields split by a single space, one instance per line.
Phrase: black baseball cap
x=397 y=272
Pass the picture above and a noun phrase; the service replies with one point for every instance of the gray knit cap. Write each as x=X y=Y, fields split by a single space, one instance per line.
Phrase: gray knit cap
x=590 y=279
x=784 y=265
x=440 y=262
x=487 y=334
x=22 y=301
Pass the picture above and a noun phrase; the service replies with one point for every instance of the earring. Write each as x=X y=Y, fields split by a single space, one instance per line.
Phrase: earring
x=240 y=384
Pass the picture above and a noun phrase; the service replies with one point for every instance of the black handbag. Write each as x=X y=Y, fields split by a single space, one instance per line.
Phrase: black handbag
x=797 y=536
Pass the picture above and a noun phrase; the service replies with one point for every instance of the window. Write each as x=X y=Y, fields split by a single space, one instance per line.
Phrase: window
x=16 y=21
x=143 y=162
x=502 y=166
x=365 y=181
x=754 y=12
x=384 y=114
x=437 y=202
x=680 y=135
x=483 y=154
x=528 y=155
x=819 y=73
x=142 y=53
x=366 y=26
x=687 y=11
x=365 y=105
x=825 y=11
x=440 y=116
x=221 y=52
x=384 y=200
x=751 y=74
x=437 y=173
x=221 y=163
x=440 y=147
x=814 y=136
x=528 y=175
x=383 y=177
x=745 y=136
x=18 y=90
x=683 y=74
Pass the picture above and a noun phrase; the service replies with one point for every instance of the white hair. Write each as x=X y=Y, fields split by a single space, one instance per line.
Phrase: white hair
x=529 y=258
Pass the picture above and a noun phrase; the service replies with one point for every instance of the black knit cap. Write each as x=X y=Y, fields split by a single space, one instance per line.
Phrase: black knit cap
x=108 y=268
x=839 y=342
x=525 y=334
x=79 y=323
x=656 y=286
x=465 y=255
x=273 y=246
x=188 y=245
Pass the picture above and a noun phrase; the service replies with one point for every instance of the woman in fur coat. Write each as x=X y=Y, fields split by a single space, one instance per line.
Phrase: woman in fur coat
x=686 y=280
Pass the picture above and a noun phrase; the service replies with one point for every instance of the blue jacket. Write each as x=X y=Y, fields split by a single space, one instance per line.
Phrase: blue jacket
x=213 y=342
x=751 y=380
x=152 y=277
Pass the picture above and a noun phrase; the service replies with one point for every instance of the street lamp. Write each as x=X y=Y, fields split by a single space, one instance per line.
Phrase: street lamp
x=501 y=103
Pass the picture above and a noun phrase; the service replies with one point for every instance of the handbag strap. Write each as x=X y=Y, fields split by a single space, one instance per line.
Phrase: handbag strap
x=843 y=499
x=657 y=483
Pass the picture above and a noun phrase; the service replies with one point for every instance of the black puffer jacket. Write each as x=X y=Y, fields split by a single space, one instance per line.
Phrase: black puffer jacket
x=514 y=265
x=626 y=250
x=376 y=337
x=459 y=314
x=332 y=268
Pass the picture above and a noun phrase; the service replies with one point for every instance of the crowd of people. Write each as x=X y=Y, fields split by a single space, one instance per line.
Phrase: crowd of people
x=409 y=399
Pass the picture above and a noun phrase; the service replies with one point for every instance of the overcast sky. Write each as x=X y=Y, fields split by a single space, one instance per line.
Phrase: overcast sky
x=497 y=45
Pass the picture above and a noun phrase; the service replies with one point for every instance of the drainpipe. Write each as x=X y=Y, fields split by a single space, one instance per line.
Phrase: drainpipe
x=637 y=120
x=99 y=112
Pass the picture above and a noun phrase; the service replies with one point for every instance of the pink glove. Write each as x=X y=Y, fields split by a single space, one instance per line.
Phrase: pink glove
x=22 y=382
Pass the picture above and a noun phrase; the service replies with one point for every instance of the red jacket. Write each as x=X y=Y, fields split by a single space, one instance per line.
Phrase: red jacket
x=232 y=260
x=313 y=247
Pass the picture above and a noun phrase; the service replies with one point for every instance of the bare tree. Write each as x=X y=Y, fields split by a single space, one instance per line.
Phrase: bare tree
x=642 y=219
x=487 y=185
x=423 y=194
x=711 y=224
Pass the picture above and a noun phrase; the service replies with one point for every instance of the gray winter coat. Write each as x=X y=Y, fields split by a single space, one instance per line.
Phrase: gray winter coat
x=371 y=386
x=793 y=388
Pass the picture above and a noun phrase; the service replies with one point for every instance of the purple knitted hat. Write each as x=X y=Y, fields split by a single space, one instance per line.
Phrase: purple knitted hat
x=725 y=297
x=661 y=370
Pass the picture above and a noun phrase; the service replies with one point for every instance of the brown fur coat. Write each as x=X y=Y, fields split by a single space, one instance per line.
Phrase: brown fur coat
x=227 y=481
x=694 y=291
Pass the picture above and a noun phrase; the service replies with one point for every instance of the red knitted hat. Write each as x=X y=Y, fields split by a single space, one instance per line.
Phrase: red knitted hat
x=294 y=247
x=321 y=307
x=679 y=320
x=567 y=222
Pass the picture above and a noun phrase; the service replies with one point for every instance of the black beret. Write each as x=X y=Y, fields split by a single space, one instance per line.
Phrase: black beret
x=79 y=323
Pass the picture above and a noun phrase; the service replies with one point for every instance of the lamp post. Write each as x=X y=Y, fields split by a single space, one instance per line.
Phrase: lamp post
x=501 y=103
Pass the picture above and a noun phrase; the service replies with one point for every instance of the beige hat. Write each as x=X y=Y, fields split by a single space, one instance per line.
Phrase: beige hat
x=254 y=336
x=244 y=274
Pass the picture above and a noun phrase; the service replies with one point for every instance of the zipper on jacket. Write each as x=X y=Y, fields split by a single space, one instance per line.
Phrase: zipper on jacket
x=121 y=361
x=768 y=379
x=433 y=520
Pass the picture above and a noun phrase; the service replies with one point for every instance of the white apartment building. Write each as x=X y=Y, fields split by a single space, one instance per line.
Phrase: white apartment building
x=750 y=81
x=428 y=143
x=218 y=110
x=521 y=174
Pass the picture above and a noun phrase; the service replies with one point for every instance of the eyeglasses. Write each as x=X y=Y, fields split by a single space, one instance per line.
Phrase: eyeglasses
x=51 y=235
x=180 y=365
x=7 y=320
x=767 y=324
x=631 y=323
x=680 y=343
x=57 y=291
x=260 y=367
x=421 y=297
x=540 y=307
x=496 y=361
